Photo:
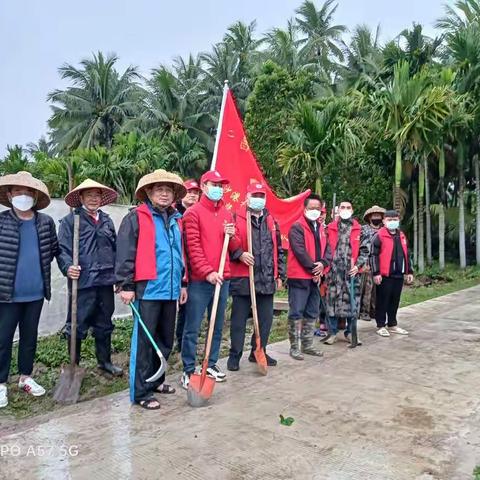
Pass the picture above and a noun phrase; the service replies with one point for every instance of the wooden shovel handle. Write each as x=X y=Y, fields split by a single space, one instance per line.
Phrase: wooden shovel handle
x=73 y=325
x=216 y=297
x=251 y=277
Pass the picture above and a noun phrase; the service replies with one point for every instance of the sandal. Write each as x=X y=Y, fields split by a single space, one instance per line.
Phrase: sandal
x=147 y=404
x=165 y=389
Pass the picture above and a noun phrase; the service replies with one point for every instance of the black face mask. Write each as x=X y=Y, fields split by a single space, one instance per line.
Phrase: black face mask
x=376 y=222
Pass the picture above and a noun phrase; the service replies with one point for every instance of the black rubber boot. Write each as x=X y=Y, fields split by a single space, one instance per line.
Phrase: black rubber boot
x=78 y=349
x=103 y=351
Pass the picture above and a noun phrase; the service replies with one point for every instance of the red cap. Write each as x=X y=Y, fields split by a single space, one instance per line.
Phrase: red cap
x=256 y=187
x=213 y=176
x=191 y=184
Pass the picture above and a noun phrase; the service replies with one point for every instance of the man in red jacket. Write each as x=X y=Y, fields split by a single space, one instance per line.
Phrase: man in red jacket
x=307 y=259
x=348 y=255
x=390 y=263
x=205 y=225
x=268 y=261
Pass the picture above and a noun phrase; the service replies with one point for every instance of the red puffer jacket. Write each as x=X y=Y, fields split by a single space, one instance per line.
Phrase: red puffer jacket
x=203 y=227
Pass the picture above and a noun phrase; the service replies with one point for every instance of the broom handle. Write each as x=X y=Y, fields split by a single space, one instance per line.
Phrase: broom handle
x=251 y=275
x=216 y=297
x=73 y=325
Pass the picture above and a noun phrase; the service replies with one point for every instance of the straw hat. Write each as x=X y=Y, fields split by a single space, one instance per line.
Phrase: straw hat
x=374 y=209
x=160 y=176
x=72 y=199
x=24 y=179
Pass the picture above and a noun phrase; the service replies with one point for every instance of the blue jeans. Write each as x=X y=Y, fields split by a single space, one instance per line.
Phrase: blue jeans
x=200 y=297
x=333 y=325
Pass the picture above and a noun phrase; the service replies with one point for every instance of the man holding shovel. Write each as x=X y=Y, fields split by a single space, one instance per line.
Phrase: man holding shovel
x=149 y=271
x=307 y=259
x=28 y=244
x=96 y=270
x=269 y=271
x=205 y=225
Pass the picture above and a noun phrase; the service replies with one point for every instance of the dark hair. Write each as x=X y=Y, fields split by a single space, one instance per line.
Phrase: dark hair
x=313 y=196
x=346 y=200
x=391 y=214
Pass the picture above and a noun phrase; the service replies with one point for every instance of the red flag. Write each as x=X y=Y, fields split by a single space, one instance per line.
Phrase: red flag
x=234 y=159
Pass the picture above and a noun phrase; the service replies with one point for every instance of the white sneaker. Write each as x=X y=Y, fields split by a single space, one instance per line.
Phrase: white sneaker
x=216 y=373
x=3 y=396
x=185 y=380
x=383 y=332
x=398 y=330
x=31 y=387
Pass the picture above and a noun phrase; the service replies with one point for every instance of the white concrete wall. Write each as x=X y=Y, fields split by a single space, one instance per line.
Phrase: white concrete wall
x=54 y=312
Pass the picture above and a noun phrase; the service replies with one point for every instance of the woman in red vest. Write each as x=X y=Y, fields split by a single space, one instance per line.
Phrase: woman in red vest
x=390 y=263
x=269 y=270
x=307 y=259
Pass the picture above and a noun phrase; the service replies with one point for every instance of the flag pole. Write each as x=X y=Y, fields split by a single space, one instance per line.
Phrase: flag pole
x=219 y=127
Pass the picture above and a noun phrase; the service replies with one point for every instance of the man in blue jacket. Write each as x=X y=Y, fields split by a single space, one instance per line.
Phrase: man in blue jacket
x=96 y=270
x=149 y=271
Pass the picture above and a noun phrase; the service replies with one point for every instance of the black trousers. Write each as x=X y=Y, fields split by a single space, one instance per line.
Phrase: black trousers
x=159 y=318
x=387 y=301
x=241 y=306
x=95 y=307
x=180 y=325
x=26 y=315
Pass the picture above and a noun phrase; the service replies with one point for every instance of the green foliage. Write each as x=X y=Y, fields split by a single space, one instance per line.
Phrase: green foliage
x=286 y=421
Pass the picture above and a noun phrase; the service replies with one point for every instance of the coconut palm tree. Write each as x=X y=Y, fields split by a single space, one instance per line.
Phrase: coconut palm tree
x=95 y=106
x=14 y=161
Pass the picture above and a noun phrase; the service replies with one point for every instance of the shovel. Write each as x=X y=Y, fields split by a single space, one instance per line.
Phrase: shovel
x=355 y=341
x=259 y=353
x=163 y=362
x=67 y=389
x=200 y=388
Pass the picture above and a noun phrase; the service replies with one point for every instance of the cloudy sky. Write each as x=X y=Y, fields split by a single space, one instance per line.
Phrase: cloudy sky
x=36 y=37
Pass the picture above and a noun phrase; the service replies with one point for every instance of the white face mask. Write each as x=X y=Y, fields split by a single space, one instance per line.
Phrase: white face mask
x=23 y=202
x=345 y=214
x=312 y=215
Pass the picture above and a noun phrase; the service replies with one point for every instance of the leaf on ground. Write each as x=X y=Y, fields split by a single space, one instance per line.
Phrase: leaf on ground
x=286 y=421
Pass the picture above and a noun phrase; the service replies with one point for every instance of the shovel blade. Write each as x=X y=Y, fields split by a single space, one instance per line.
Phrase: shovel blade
x=160 y=371
x=261 y=359
x=200 y=389
x=68 y=386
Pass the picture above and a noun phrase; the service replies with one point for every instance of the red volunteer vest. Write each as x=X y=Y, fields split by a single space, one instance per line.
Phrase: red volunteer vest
x=238 y=268
x=294 y=267
x=386 y=250
x=332 y=231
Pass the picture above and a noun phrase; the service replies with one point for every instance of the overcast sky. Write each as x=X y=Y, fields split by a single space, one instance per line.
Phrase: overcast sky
x=37 y=36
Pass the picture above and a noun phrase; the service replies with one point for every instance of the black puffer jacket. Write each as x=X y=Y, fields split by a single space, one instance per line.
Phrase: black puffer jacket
x=97 y=247
x=9 y=245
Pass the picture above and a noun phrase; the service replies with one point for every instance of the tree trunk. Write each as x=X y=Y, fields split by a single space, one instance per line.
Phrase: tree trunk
x=421 y=224
x=427 y=214
x=461 y=207
x=441 y=214
x=415 y=224
x=398 y=179
x=476 y=165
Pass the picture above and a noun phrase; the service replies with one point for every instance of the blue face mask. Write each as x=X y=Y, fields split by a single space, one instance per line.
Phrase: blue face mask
x=393 y=224
x=257 y=203
x=214 y=193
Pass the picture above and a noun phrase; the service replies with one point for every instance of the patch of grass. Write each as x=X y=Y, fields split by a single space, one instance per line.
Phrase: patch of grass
x=476 y=473
x=52 y=349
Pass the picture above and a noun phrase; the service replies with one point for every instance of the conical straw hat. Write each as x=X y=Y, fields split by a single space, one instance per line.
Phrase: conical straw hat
x=160 y=176
x=72 y=199
x=24 y=179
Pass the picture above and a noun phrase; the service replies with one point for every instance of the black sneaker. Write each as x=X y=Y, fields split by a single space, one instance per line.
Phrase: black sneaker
x=216 y=373
x=271 y=362
x=233 y=364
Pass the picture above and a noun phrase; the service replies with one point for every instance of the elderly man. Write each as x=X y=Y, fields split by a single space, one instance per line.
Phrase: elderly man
x=206 y=225
x=28 y=244
x=373 y=218
x=349 y=254
x=96 y=270
x=149 y=270
x=189 y=200
x=269 y=270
